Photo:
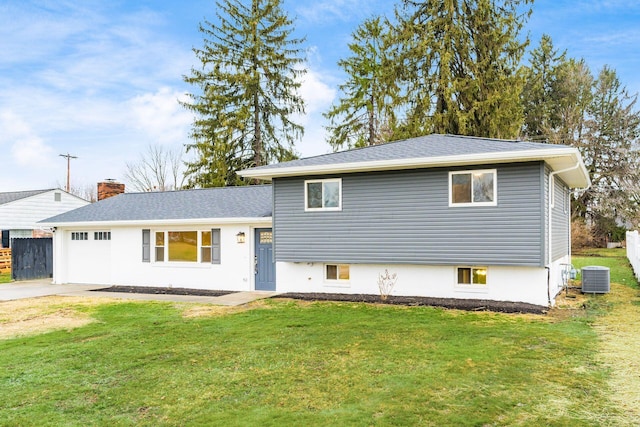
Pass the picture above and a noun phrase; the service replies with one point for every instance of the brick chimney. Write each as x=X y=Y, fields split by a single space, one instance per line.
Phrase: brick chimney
x=109 y=188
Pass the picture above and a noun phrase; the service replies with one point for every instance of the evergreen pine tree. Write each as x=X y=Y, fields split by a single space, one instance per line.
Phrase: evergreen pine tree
x=249 y=79
x=541 y=91
x=364 y=112
x=462 y=66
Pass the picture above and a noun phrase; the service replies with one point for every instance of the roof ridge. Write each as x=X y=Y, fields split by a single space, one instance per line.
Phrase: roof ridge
x=29 y=191
x=485 y=138
x=196 y=189
x=396 y=141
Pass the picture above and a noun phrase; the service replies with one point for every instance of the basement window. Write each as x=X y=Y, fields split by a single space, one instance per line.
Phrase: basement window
x=336 y=272
x=472 y=275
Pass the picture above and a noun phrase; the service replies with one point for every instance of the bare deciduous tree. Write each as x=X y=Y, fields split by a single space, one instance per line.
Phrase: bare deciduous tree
x=157 y=169
x=88 y=192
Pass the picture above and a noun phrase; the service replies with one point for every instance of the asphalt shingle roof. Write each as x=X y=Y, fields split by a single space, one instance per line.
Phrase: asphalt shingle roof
x=17 y=195
x=226 y=202
x=428 y=146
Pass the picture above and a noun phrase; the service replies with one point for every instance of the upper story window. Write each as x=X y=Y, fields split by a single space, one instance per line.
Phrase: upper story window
x=323 y=194
x=473 y=188
x=57 y=197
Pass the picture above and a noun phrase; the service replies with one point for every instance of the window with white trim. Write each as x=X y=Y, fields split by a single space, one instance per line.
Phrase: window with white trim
x=336 y=272
x=159 y=246
x=323 y=194
x=79 y=235
x=187 y=246
x=471 y=275
x=473 y=188
x=205 y=246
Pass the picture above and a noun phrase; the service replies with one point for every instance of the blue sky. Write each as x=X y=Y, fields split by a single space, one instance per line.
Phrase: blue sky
x=101 y=79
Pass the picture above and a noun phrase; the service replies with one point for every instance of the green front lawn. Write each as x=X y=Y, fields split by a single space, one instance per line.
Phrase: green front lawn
x=295 y=364
x=5 y=277
x=285 y=363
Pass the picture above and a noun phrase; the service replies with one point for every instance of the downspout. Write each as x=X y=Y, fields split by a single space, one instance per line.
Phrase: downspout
x=550 y=234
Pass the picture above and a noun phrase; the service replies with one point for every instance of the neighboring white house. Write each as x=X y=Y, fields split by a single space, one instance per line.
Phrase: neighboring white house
x=453 y=217
x=20 y=211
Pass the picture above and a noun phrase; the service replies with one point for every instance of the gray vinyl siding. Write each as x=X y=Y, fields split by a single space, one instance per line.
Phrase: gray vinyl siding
x=560 y=217
x=403 y=217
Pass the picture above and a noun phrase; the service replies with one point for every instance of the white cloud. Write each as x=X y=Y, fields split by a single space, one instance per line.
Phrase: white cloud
x=159 y=116
x=323 y=11
x=317 y=94
x=605 y=41
x=27 y=148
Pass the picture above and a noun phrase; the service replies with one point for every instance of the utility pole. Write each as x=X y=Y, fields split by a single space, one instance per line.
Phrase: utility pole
x=68 y=157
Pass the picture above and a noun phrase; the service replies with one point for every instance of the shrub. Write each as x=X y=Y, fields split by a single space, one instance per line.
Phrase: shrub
x=581 y=234
x=386 y=282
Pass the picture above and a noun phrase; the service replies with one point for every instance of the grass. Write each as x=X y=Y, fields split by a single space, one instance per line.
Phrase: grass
x=616 y=259
x=619 y=341
x=280 y=362
x=5 y=277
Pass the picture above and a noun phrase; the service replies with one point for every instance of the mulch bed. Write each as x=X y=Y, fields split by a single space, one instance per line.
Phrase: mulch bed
x=461 y=304
x=166 y=291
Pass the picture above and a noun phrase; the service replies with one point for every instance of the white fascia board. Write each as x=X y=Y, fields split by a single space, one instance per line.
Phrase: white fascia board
x=160 y=222
x=552 y=156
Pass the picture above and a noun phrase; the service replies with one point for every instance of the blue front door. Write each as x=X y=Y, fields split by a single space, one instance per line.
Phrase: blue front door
x=265 y=268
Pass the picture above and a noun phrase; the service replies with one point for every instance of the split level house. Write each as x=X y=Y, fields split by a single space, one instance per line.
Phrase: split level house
x=20 y=212
x=450 y=216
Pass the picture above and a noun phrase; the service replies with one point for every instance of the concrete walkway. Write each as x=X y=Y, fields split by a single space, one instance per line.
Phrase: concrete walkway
x=41 y=288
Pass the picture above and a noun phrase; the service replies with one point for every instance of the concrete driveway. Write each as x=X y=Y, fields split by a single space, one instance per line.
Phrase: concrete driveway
x=39 y=288
x=42 y=288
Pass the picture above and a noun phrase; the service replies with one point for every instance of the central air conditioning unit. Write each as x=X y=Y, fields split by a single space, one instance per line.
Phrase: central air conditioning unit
x=595 y=280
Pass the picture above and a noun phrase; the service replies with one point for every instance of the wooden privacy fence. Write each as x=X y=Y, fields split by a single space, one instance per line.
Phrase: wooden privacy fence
x=5 y=260
x=633 y=251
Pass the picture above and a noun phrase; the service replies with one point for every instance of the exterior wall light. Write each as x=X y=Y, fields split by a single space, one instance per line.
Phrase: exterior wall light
x=240 y=237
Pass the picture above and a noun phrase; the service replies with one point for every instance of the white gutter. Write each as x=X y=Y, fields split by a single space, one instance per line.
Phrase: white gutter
x=157 y=222
x=411 y=163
